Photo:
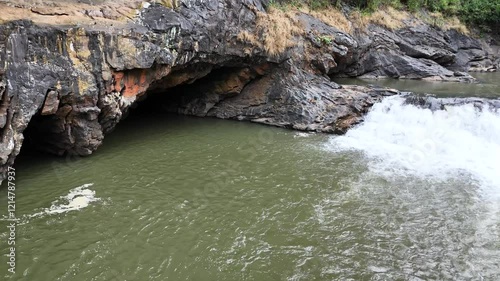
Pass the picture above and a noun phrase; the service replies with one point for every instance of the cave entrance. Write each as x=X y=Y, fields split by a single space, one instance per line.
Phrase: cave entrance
x=42 y=135
x=38 y=150
x=196 y=96
x=195 y=91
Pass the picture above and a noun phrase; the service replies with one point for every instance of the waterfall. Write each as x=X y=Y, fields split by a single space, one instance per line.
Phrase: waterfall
x=432 y=138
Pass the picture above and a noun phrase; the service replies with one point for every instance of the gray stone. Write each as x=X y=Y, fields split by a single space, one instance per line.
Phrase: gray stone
x=51 y=103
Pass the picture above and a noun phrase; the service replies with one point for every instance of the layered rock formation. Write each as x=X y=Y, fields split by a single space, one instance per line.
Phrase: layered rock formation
x=434 y=103
x=419 y=51
x=73 y=82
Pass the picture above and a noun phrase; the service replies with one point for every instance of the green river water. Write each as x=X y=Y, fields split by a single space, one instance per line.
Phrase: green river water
x=410 y=195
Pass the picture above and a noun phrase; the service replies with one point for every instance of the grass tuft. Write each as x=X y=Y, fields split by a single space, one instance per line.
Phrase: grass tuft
x=437 y=19
x=331 y=16
x=388 y=17
x=172 y=4
x=275 y=31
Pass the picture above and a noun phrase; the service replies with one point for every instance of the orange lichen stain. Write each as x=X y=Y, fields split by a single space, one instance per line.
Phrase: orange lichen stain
x=117 y=78
x=135 y=82
x=142 y=77
x=131 y=83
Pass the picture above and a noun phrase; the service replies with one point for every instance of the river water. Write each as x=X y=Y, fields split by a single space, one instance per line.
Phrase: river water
x=408 y=195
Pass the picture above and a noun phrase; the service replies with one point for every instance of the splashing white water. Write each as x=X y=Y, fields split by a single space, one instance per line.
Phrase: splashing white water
x=458 y=141
x=77 y=199
x=302 y=135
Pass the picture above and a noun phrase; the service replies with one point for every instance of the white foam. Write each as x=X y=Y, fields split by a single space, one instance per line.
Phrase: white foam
x=77 y=199
x=398 y=138
x=302 y=135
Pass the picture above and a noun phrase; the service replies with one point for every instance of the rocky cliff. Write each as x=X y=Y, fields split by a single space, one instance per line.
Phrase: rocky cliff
x=71 y=70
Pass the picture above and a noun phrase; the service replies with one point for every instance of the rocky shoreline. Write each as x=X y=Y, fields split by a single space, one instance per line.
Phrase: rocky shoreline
x=73 y=83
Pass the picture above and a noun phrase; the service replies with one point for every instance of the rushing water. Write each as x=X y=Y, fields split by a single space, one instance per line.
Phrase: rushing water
x=409 y=194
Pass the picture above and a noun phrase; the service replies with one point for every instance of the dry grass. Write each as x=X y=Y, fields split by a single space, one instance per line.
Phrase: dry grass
x=394 y=19
x=455 y=23
x=172 y=4
x=248 y=37
x=446 y=23
x=332 y=17
x=275 y=31
x=279 y=28
x=359 y=20
x=388 y=17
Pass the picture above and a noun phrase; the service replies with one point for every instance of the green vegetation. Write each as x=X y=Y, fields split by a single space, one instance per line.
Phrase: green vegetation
x=482 y=11
x=325 y=39
x=472 y=11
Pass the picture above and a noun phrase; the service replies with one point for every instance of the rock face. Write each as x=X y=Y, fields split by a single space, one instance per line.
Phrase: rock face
x=290 y=98
x=73 y=83
x=433 y=103
x=474 y=55
x=419 y=52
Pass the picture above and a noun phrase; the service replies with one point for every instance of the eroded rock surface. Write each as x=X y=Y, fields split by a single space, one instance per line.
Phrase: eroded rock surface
x=419 y=52
x=289 y=98
x=434 y=103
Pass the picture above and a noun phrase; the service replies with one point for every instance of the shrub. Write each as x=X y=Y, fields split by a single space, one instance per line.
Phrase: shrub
x=481 y=11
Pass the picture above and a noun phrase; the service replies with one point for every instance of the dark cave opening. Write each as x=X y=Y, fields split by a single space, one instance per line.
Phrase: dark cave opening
x=192 y=91
x=39 y=136
x=195 y=97
x=159 y=99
